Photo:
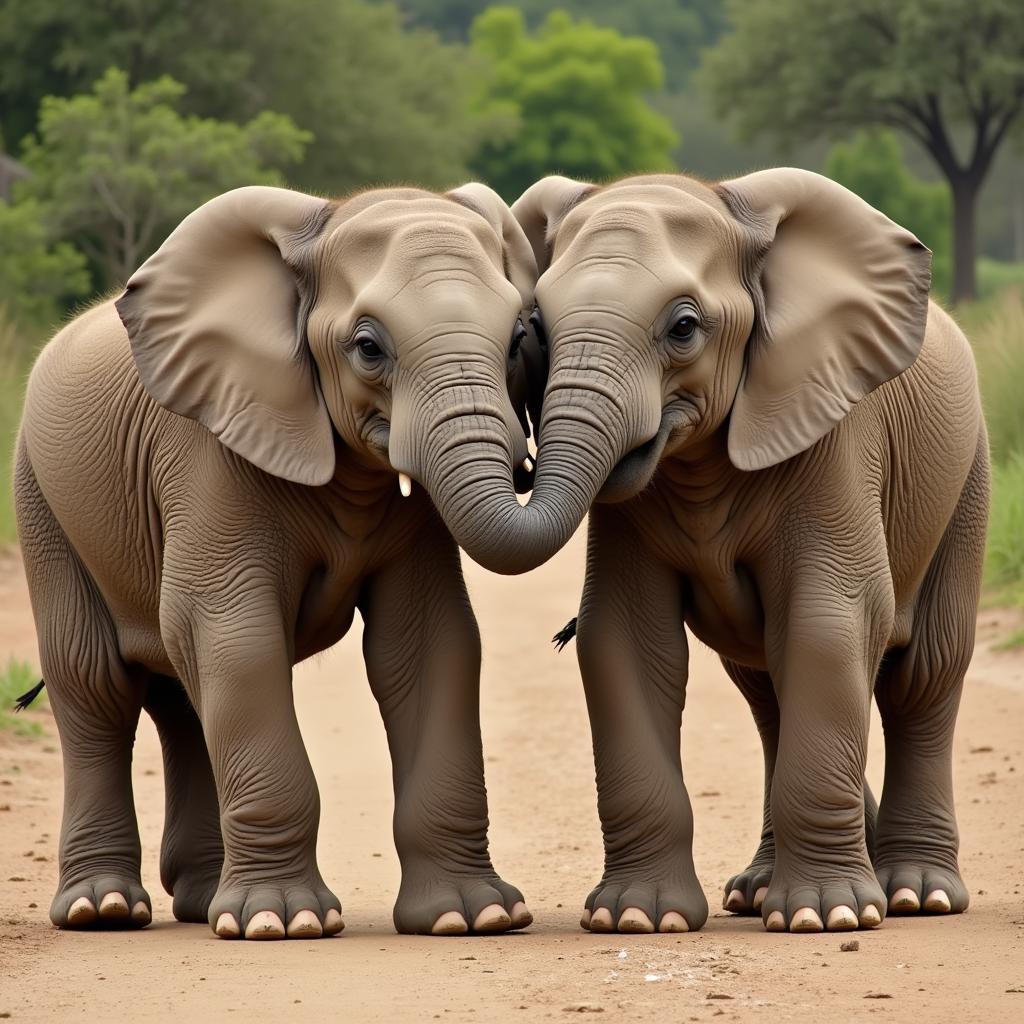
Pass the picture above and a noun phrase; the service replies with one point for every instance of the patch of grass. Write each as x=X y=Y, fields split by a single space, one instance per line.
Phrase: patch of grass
x=1004 y=557
x=16 y=349
x=996 y=276
x=15 y=679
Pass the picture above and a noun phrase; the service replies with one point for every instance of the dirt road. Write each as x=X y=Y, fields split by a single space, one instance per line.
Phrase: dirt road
x=545 y=838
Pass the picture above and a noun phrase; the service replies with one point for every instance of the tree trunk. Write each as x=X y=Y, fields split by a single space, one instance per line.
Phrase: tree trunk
x=965 y=204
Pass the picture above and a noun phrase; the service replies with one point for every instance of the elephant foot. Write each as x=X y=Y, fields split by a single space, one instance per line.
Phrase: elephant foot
x=303 y=909
x=838 y=904
x=105 y=901
x=193 y=892
x=745 y=892
x=645 y=904
x=919 y=888
x=430 y=903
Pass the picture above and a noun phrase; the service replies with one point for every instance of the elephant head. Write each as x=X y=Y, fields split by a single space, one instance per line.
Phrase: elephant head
x=393 y=321
x=760 y=310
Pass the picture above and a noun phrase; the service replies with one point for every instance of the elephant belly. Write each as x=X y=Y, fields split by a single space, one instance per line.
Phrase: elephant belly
x=727 y=616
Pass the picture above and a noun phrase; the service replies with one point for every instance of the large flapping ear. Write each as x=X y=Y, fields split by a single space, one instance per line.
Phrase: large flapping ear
x=845 y=303
x=213 y=320
x=520 y=267
x=540 y=210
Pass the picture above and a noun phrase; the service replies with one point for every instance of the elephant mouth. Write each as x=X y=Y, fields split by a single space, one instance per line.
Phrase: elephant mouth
x=634 y=471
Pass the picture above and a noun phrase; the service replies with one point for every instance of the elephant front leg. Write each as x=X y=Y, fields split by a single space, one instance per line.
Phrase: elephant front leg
x=422 y=654
x=238 y=673
x=633 y=656
x=824 y=649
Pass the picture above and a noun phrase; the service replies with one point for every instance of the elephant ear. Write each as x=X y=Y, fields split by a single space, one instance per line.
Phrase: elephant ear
x=541 y=208
x=843 y=297
x=213 y=320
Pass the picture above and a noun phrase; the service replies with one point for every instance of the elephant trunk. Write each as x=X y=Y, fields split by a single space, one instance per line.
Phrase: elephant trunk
x=467 y=460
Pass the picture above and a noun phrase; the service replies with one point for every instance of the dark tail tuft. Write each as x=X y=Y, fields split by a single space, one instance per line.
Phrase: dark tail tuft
x=26 y=698
x=564 y=635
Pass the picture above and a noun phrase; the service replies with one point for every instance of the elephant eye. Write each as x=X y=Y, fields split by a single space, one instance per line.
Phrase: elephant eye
x=684 y=328
x=368 y=347
x=518 y=334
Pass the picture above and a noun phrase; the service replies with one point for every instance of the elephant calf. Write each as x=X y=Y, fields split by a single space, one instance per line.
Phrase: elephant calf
x=786 y=447
x=206 y=492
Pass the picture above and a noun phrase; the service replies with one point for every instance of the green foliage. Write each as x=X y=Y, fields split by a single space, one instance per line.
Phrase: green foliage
x=1004 y=555
x=16 y=678
x=680 y=30
x=998 y=276
x=801 y=68
x=37 y=280
x=382 y=103
x=872 y=166
x=116 y=169
x=573 y=96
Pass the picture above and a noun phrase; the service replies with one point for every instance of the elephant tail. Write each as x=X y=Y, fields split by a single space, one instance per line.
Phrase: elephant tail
x=565 y=634
x=26 y=698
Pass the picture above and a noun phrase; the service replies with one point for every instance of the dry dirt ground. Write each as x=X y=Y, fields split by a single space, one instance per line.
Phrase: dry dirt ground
x=545 y=838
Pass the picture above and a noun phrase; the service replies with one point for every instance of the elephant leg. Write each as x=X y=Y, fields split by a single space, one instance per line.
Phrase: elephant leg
x=192 y=853
x=96 y=701
x=745 y=891
x=824 y=650
x=633 y=657
x=422 y=653
x=918 y=695
x=231 y=652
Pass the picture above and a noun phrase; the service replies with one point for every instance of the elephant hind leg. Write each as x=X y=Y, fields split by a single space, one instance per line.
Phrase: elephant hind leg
x=746 y=890
x=192 y=852
x=96 y=699
x=918 y=695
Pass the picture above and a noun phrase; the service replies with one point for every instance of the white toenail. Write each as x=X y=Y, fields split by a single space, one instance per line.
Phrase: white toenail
x=759 y=896
x=805 y=920
x=776 y=922
x=673 y=922
x=841 y=919
x=81 y=911
x=937 y=902
x=735 y=900
x=492 y=918
x=870 y=917
x=333 y=922
x=601 y=920
x=140 y=912
x=585 y=920
x=904 y=899
x=521 y=916
x=227 y=927
x=633 y=919
x=450 y=923
x=113 y=905
x=264 y=925
x=305 y=925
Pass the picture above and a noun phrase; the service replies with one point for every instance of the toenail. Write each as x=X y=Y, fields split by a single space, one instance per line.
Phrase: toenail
x=305 y=925
x=333 y=922
x=450 y=923
x=870 y=917
x=493 y=918
x=937 y=902
x=841 y=919
x=759 y=896
x=113 y=905
x=264 y=925
x=735 y=900
x=81 y=911
x=585 y=920
x=601 y=920
x=633 y=919
x=227 y=927
x=805 y=920
x=673 y=921
x=521 y=916
x=776 y=922
x=904 y=899
x=141 y=913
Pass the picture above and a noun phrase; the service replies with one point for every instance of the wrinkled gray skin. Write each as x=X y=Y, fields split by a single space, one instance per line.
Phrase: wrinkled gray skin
x=785 y=444
x=205 y=500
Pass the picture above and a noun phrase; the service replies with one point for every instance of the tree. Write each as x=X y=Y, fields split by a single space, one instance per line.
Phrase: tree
x=382 y=103
x=37 y=280
x=871 y=165
x=573 y=98
x=114 y=170
x=936 y=70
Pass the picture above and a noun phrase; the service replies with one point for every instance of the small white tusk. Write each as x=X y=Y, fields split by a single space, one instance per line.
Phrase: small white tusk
x=405 y=484
x=528 y=464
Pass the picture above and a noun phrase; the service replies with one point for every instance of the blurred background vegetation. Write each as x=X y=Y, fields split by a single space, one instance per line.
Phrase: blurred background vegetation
x=117 y=117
